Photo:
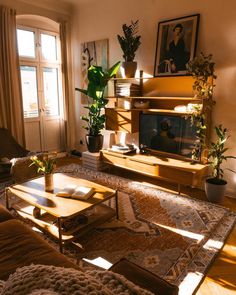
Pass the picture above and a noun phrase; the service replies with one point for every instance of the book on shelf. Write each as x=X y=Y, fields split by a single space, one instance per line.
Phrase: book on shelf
x=79 y=192
x=123 y=149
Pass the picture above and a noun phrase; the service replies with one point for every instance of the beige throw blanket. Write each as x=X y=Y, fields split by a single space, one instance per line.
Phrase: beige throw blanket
x=51 y=280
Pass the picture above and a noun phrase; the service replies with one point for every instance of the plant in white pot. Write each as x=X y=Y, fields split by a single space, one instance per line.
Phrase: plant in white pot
x=95 y=119
x=129 y=44
x=215 y=186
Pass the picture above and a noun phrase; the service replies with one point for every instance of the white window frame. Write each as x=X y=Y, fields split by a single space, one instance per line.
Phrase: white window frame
x=39 y=62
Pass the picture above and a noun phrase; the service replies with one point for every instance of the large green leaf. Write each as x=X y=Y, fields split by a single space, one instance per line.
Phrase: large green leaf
x=98 y=79
x=82 y=90
x=113 y=70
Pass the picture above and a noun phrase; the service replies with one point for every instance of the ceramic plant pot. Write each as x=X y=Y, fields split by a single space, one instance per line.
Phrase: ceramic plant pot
x=48 y=181
x=129 y=68
x=215 y=191
x=94 y=143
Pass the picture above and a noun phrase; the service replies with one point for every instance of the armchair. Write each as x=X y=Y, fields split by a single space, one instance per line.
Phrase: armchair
x=9 y=149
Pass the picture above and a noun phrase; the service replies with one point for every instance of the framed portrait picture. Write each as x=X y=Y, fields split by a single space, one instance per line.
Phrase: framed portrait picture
x=92 y=53
x=176 y=45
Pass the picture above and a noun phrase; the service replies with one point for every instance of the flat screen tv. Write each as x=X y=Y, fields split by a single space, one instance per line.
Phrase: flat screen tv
x=172 y=134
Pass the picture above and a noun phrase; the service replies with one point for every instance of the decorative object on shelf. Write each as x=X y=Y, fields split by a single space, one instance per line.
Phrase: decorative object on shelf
x=92 y=53
x=129 y=44
x=176 y=45
x=46 y=166
x=215 y=186
x=180 y=108
x=202 y=68
x=141 y=104
x=98 y=79
x=197 y=119
x=124 y=149
x=124 y=103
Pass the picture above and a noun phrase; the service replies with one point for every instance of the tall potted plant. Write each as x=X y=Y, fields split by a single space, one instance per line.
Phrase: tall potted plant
x=95 y=119
x=129 y=44
x=215 y=186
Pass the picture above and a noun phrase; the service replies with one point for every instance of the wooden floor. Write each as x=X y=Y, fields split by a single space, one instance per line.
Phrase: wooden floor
x=221 y=277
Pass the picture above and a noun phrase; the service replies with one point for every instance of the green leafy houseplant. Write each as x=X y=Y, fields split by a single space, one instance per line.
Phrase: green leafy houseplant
x=202 y=68
x=197 y=119
x=130 y=42
x=217 y=155
x=98 y=79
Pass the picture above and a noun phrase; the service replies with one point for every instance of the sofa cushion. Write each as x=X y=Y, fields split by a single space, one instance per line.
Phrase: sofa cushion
x=20 y=246
x=144 y=278
x=4 y=214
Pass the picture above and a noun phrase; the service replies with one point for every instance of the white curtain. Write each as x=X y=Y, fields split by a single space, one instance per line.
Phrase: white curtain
x=11 y=104
x=68 y=85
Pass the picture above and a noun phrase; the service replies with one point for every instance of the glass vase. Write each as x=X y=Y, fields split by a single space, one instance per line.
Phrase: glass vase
x=48 y=181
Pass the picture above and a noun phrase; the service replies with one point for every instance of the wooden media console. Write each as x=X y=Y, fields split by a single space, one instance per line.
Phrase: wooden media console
x=173 y=170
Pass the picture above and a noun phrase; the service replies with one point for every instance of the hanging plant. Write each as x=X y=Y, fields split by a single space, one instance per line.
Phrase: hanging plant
x=197 y=119
x=202 y=68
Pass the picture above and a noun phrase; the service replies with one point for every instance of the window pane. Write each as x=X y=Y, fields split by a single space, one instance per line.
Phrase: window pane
x=50 y=82
x=26 y=43
x=29 y=91
x=48 y=45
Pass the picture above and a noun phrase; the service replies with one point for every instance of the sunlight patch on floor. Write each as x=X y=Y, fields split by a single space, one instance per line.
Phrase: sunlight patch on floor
x=182 y=232
x=189 y=283
x=99 y=261
x=151 y=185
x=213 y=245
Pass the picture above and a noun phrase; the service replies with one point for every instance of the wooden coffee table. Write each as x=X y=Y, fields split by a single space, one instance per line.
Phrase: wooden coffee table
x=55 y=210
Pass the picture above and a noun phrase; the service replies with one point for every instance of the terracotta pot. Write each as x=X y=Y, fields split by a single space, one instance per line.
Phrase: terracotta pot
x=129 y=68
x=215 y=192
x=48 y=181
x=94 y=143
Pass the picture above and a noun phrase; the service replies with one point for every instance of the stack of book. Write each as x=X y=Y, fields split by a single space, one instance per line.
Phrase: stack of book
x=93 y=161
x=123 y=149
x=128 y=89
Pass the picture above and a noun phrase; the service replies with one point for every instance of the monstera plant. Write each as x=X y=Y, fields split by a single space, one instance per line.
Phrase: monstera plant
x=95 y=119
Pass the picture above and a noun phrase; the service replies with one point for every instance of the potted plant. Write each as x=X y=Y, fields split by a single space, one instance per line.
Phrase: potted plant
x=97 y=82
x=129 y=44
x=202 y=68
x=215 y=186
x=46 y=166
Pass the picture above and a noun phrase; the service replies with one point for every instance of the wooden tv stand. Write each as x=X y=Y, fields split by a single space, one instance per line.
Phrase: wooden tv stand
x=169 y=169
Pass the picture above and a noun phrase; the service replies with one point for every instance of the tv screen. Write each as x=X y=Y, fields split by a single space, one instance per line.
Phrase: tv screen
x=167 y=133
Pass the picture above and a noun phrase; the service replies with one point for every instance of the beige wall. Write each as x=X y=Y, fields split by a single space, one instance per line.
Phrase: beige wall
x=94 y=20
x=47 y=8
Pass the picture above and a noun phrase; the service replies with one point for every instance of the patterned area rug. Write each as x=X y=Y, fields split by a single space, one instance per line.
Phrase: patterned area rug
x=172 y=236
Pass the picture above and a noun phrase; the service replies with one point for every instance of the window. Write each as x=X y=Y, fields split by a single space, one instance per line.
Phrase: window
x=40 y=72
x=26 y=43
x=29 y=91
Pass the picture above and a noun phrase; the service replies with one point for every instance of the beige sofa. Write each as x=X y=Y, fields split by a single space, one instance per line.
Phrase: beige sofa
x=20 y=246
